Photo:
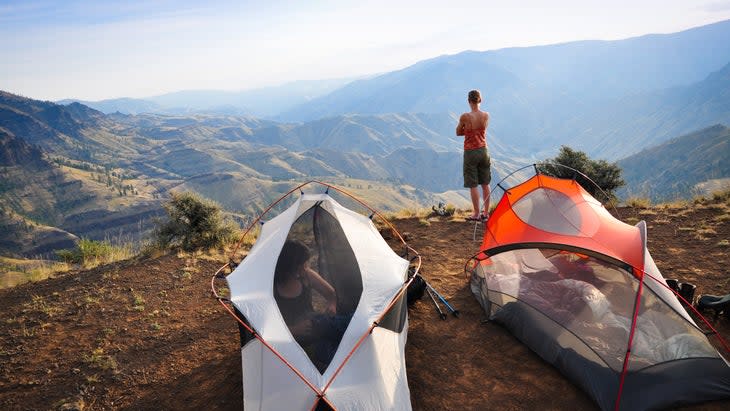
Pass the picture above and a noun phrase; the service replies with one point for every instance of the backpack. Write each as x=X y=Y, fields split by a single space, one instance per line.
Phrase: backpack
x=416 y=289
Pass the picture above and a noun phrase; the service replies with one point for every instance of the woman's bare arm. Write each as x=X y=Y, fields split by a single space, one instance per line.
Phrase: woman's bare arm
x=323 y=288
x=461 y=125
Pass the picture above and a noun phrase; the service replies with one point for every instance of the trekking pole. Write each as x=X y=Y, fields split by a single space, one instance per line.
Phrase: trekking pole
x=438 y=309
x=454 y=311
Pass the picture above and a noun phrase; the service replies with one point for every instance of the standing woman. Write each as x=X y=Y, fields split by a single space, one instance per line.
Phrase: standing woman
x=473 y=126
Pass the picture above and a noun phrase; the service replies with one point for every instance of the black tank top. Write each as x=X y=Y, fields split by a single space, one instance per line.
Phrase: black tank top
x=293 y=308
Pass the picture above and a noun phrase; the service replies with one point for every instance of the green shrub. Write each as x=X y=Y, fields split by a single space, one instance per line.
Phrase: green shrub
x=91 y=253
x=605 y=175
x=68 y=256
x=94 y=250
x=194 y=223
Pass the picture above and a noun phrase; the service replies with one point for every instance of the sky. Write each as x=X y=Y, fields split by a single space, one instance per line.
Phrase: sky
x=94 y=50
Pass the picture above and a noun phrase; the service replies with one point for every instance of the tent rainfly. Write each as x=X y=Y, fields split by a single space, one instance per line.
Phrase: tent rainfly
x=320 y=301
x=580 y=288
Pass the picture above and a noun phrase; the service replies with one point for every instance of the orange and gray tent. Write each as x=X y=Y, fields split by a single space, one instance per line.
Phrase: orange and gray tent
x=343 y=349
x=580 y=289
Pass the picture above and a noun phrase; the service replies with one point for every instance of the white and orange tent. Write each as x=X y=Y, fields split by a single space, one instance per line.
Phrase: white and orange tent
x=580 y=288
x=351 y=360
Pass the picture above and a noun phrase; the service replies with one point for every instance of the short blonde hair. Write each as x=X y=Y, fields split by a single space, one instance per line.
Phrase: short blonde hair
x=475 y=96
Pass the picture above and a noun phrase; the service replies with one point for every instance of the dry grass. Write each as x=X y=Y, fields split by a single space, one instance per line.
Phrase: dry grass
x=91 y=253
x=408 y=213
x=16 y=271
x=722 y=196
x=718 y=206
x=704 y=233
x=638 y=202
x=250 y=238
x=676 y=205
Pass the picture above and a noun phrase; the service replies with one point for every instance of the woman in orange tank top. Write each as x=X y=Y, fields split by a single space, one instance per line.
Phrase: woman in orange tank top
x=473 y=126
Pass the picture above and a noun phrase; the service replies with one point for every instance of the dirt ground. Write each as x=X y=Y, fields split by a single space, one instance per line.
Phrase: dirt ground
x=146 y=334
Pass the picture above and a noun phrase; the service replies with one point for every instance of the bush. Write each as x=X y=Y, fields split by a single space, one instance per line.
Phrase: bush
x=90 y=253
x=605 y=175
x=194 y=223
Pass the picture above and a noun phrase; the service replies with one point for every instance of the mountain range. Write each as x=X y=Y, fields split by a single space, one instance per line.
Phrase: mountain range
x=681 y=167
x=261 y=102
x=637 y=92
x=75 y=170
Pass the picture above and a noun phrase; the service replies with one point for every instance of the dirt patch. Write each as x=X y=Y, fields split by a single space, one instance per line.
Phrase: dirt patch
x=146 y=334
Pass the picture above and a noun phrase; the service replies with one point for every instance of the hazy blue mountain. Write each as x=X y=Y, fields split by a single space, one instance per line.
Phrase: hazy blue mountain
x=608 y=98
x=674 y=168
x=577 y=72
x=370 y=134
x=644 y=120
x=124 y=105
x=543 y=97
x=260 y=102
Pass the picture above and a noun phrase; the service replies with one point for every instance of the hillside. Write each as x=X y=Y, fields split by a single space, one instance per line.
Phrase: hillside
x=81 y=173
x=145 y=334
x=46 y=205
x=675 y=168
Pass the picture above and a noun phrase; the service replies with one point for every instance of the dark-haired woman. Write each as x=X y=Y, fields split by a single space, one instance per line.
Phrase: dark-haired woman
x=294 y=281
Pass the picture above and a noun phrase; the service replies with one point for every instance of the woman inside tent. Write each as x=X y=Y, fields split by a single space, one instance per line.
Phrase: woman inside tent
x=317 y=331
x=293 y=284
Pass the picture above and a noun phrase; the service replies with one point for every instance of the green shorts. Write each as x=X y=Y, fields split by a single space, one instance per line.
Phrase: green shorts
x=477 y=167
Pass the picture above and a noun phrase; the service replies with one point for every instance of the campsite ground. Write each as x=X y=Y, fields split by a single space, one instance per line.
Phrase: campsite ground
x=146 y=334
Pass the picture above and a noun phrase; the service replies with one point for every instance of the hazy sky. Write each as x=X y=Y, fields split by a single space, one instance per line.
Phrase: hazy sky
x=105 y=49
